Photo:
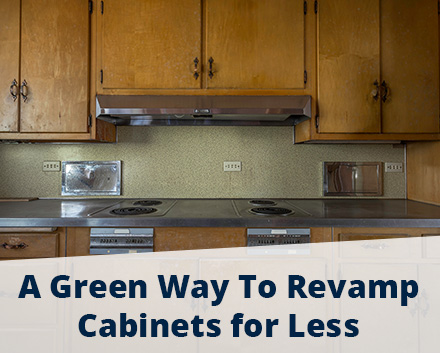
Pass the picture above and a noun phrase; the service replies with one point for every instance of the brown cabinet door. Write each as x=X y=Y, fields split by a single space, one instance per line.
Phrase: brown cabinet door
x=410 y=65
x=255 y=44
x=54 y=64
x=146 y=44
x=9 y=63
x=348 y=66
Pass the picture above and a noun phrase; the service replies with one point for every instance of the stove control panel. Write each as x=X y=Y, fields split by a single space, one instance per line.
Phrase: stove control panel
x=265 y=236
x=120 y=240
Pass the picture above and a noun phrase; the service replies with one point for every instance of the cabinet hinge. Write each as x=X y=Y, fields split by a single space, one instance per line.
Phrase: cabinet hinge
x=102 y=7
x=305 y=76
x=316 y=6
x=305 y=7
x=102 y=76
x=90 y=6
x=317 y=122
x=89 y=121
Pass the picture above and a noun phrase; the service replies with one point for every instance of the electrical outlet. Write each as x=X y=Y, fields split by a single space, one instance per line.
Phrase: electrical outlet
x=393 y=167
x=51 y=166
x=232 y=166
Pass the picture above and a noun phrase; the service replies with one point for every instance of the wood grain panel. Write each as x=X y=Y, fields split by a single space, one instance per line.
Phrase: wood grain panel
x=9 y=63
x=150 y=44
x=350 y=234
x=320 y=235
x=410 y=65
x=33 y=245
x=256 y=44
x=423 y=172
x=348 y=65
x=78 y=241
x=55 y=55
x=191 y=238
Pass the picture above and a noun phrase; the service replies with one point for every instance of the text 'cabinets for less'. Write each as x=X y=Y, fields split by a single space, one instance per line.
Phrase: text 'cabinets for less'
x=200 y=44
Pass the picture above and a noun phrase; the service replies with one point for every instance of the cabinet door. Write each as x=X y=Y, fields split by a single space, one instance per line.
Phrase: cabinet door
x=149 y=44
x=348 y=66
x=255 y=44
x=54 y=64
x=410 y=65
x=9 y=63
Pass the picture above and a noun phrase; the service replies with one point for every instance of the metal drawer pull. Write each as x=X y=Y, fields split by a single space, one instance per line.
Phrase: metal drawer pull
x=14 y=90
x=14 y=247
x=24 y=90
x=385 y=91
x=376 y=246
x=211 y=73
x=376 y=92
x=196 y=68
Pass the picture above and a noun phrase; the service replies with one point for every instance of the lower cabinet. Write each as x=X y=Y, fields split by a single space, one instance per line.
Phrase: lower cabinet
x=348 y=234
x=21 y=243
x=185 y=238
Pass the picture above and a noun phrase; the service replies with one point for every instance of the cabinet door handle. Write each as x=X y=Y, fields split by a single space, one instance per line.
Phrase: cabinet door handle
x=211 y=73
x=196 y=68
x=376 y=91
x=24 y=90
x=386 y=91
x=14 y=246
x=14 y=89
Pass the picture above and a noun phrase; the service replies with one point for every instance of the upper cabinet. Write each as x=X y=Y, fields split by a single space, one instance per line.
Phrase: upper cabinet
x=149 y=44
x=9 y=64
x=349 y=66
x=200 y=45
x=378 y=71
x=256 y=44
x=44 y=71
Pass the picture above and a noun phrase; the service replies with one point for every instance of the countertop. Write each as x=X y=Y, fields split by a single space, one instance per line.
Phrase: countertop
x=221 y=213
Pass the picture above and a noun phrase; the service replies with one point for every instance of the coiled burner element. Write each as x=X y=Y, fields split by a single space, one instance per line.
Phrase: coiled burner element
x=132 y=211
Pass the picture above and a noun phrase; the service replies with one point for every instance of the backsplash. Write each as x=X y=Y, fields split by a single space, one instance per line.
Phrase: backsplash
x=187 y=162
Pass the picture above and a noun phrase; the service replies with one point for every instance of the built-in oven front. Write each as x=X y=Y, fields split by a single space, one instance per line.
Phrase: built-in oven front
x=121 y=240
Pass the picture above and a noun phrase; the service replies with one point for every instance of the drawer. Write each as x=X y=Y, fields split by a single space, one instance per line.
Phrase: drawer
x=383 y=245
x=17 y=246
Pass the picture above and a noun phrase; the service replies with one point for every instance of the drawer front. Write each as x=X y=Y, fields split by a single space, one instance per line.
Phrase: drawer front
x=17 y=246
x=383 y=247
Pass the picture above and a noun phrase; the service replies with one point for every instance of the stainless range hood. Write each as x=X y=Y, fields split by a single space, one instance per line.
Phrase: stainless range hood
x=203 y=110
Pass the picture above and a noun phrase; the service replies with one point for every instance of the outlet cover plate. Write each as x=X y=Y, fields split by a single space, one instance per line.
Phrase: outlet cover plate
x=393 y=167
x=232 y=166
x=51 y=166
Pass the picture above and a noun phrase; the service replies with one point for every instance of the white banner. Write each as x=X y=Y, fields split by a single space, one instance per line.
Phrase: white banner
x=359 y=296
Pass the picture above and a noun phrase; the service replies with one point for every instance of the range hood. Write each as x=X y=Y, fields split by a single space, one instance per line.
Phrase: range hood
x=203 y=110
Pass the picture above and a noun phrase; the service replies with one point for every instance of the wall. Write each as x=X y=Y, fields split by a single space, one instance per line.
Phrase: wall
x=424 y=172
x=187 y=162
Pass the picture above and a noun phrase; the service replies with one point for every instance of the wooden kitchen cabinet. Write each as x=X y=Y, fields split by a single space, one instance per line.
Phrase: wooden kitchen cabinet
x=378 y=71
x=201 y=46
x=149 y=44
x=192 y=238
x=9 y=64
x=184 y=238
x=255 y=44
x=349 y=234
x=31 y=243
x=45 y=72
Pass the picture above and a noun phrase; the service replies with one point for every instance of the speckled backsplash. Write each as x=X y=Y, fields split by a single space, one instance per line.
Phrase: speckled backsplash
x=187 y=162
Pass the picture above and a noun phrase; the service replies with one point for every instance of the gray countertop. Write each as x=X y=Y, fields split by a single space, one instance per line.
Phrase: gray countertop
x=220 y=213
